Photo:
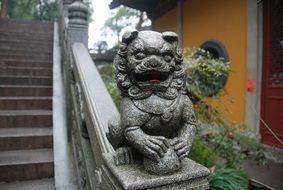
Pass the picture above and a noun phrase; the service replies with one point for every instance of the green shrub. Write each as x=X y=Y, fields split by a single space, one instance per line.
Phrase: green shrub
x=233 y=145
x=107 y=74
x=206 y=74
x=114 y=92
x=202 y=153
x=228 y=179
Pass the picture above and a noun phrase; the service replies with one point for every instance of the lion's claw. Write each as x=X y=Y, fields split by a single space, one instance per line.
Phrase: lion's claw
x=123 y=156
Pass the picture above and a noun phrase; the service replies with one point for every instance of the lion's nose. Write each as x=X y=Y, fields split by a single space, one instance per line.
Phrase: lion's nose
x=153 y=63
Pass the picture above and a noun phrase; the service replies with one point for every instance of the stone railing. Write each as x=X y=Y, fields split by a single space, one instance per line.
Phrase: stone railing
x=90 y=107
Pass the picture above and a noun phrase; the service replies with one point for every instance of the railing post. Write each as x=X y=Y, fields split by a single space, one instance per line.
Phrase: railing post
x=63 y=6
x=77 y=26
x=74 y=29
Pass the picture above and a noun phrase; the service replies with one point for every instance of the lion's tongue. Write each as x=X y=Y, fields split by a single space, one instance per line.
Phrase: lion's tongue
x=154 y=81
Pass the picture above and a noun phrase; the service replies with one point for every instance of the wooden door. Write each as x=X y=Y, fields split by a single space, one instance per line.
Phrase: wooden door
x=272 y=78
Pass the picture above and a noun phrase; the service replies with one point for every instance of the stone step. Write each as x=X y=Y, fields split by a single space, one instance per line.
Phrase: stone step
x=31 y=38
x=41 y=184
x=26 y=28
x=11 y=51
x=25 y=118
x=39 y=44
x=25 y=80
x=24 y=42
x=27 y=47
x=25 y=103
x=47 y=32
x=26 y=63
x=26 y=56
x=20 y=23
x=26 y=36
x=26 y=138
x=34 y=41
x=26 y=134
x=32 y=48
x=26 y=164
x=25 y=90
x=30 y=71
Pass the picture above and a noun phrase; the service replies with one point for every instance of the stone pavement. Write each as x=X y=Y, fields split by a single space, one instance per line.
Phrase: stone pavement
x=270 y=174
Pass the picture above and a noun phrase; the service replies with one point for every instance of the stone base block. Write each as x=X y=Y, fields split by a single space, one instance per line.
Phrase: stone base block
x=133 y=177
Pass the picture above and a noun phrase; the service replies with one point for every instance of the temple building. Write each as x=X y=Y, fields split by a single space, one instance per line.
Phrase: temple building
x=249 y=34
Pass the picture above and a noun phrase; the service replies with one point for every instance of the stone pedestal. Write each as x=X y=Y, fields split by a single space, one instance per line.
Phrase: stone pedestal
x=77 y=34
x=133 y=177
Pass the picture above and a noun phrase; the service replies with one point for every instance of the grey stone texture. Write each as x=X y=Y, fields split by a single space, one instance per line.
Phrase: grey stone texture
x=78 y=13
x=157 y=122
x=132 y=177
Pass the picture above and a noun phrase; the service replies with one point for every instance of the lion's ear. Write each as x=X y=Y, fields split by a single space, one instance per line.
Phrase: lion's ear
x=129 y=36
x=170 y=37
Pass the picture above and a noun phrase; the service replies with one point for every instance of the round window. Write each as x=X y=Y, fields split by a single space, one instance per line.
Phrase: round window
x=213 y=85
x=216 y=49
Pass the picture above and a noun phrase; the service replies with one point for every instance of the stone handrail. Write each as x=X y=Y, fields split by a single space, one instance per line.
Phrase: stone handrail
x=98 y=103
x=89 y=105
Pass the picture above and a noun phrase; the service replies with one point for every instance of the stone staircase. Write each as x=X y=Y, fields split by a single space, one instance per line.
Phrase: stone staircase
x=26 y=135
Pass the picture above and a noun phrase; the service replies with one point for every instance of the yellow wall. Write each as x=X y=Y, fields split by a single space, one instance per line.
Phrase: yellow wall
x=166 y=22
x=226 y=21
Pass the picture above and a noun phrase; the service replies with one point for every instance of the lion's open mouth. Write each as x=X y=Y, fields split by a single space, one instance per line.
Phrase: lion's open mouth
x=153 y=77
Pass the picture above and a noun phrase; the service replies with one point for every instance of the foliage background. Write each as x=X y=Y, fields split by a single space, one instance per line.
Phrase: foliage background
x=43 y=10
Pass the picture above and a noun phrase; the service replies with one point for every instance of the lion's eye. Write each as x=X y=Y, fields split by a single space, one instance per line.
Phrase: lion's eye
x=168 y=57
x=140 y=56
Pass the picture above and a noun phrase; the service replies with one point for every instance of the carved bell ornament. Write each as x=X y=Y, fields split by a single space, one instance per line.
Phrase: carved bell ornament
x=77 y=13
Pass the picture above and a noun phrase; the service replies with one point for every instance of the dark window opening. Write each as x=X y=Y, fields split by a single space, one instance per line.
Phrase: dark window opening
x=216 y=48
x=213 y=52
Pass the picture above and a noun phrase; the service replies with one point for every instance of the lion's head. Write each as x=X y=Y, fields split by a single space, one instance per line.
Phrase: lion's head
x=149 y=62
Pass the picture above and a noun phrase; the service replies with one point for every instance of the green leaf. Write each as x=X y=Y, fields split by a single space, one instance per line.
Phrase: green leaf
x=228 y=179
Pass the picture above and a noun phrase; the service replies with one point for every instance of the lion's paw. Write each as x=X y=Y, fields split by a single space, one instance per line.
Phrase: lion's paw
x=123 y=156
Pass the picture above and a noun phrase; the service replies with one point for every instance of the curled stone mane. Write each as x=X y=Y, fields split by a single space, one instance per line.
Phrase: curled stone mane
x=157 y=123
x=126 y=84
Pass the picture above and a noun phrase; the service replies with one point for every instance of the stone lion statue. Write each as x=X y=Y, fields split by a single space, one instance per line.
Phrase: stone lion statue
x=157 y=122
